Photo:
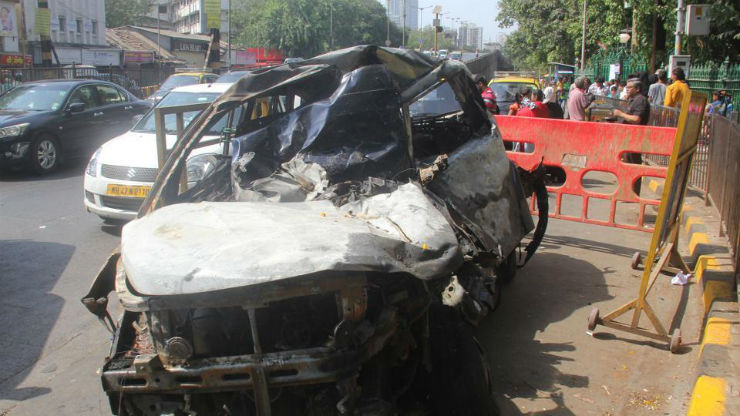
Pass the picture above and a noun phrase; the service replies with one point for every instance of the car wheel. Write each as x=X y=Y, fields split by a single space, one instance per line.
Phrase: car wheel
x=45 y=154
x=460 y=381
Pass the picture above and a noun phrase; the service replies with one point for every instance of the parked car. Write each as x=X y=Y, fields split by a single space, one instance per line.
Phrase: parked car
x=506 y=85
x=330 y=260
x=44 y=122
x=181 y=79
x=121 y=172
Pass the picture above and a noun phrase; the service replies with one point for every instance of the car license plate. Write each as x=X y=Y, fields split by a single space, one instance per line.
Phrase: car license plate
x=134 y=191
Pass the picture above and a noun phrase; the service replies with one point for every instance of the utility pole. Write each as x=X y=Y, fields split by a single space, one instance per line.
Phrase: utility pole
x=159 y=17
x=331 y=25
x=403 y=30
x=228 y=25
x=680 y=21
x=583 y=38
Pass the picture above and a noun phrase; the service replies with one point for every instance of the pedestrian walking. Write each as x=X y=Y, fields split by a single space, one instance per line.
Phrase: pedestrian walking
x=675 y=92
x=656 y=93
x=514 y=107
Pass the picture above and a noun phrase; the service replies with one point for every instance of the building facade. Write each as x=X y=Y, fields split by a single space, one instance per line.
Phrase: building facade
x=189 y=16
x=77 y=31
x=394 y=10
x=71 y=22
x=470 y=36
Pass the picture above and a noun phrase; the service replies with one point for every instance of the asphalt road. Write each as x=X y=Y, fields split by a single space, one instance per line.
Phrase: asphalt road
x=542 y=360
x=50 y=248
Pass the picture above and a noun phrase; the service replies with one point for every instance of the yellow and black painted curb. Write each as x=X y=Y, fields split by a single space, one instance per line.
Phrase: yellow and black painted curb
x=717 y=381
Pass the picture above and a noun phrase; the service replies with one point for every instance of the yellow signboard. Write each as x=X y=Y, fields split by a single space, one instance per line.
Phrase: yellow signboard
x=213 y=14
x=41 y=23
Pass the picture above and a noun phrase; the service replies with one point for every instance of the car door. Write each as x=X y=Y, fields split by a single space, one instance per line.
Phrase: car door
x=78 y=129
x=116 y=111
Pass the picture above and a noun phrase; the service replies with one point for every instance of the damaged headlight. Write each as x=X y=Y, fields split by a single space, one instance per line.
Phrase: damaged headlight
x=199 y=167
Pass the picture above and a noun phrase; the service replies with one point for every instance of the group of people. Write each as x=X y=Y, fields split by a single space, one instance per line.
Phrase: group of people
x=528 y=103
x=639 y=90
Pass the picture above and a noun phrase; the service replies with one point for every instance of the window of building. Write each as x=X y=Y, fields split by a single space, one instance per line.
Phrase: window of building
x=62 y=24
x=94 y=27
x=78 y=24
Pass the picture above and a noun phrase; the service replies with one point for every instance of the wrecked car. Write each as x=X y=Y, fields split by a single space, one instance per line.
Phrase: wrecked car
x=360 y=215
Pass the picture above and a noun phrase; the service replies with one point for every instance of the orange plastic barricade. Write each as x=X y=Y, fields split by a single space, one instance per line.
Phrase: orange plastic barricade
x=580 y=147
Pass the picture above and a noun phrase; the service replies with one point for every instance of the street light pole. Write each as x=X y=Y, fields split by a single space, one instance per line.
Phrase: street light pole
x=583 y=38
x=403 y=30
x=229 y=40
x=331 y=26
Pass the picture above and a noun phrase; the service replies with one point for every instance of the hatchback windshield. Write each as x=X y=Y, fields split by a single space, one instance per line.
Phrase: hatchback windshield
x=35 y=97
x=146 y=124
x=506 y=91
x=179 y=81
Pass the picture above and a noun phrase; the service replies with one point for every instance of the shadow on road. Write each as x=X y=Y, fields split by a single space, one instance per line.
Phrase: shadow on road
x=69 y=169
x=523 y=367
x=28 y=309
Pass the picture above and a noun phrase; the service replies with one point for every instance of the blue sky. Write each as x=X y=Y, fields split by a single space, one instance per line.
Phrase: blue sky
x=479 y=12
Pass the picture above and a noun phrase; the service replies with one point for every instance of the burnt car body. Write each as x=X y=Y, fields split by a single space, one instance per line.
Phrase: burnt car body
x=332 y=257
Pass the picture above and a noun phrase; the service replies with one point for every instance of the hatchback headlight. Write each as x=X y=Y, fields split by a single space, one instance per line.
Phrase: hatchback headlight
x=92 y=166
x=14 y=130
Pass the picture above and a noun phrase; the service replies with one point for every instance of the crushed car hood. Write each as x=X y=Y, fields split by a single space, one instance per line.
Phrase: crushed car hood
x=210 y=246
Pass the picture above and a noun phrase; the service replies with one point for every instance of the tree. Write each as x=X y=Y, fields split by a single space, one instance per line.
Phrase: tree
x=124 y=12
x=550 y=30
x=301 y=27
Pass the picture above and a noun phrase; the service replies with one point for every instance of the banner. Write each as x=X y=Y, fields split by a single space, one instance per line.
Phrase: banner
x=8 y=20
x=138 y=57
x=41 y=23
x=213 y=14
x=15 y=61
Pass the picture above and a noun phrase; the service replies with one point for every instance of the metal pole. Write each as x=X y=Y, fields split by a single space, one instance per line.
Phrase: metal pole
x=583 y=38
x=680 y=20
x=403 y=30
x=388 y=30
x=159 y=17
x=229 y=40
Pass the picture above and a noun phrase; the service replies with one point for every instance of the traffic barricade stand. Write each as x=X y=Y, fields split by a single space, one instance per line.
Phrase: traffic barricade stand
x=566 y=144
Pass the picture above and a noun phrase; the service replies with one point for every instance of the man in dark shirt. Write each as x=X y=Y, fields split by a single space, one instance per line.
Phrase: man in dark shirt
x=639 y=107
x=637 y=113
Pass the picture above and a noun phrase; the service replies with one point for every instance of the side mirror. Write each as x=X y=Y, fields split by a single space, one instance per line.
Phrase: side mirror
x=76 y=108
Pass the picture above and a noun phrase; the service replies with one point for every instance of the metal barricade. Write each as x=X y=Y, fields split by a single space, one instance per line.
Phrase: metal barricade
x=723 y=184
x=581 y=147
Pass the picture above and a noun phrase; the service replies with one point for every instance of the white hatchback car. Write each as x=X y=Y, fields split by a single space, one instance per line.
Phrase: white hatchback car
x=121 y=172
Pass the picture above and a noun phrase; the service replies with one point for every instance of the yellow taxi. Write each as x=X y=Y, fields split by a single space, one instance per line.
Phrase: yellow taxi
x=181 y=79
x=506 y=84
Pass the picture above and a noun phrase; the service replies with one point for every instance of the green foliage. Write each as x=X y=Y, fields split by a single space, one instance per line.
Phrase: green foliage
x=301 y=27
x=550 y=30
x=124 y=12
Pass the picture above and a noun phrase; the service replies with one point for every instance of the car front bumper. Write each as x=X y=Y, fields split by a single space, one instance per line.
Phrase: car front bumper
x=98 y=202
